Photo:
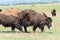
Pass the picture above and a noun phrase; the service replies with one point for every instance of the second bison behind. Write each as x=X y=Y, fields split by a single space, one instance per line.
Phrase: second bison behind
x=35 y=19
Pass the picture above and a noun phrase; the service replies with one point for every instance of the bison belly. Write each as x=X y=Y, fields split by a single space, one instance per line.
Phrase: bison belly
x=6 y=25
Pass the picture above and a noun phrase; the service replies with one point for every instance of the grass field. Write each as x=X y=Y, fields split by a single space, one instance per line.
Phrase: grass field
x=52 y=34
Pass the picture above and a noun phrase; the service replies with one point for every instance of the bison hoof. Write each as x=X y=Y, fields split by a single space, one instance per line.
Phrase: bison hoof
x=21 y=30
x=27 y=32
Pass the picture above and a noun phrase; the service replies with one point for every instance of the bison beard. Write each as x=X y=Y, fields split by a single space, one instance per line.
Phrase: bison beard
x=8 y=21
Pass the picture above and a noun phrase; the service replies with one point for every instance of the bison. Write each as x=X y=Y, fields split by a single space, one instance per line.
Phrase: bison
x=53 y=12
x=10 y=21
x=32 y=18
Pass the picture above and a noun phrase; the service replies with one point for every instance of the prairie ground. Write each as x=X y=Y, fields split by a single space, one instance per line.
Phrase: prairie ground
x=52 y=34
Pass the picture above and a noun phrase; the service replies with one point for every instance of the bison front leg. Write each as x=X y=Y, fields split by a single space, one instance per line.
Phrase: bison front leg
x=13 y=28
x=41 y=26
x=18 y=26
x=25 y=28
x=42 y=29
x=34 y=28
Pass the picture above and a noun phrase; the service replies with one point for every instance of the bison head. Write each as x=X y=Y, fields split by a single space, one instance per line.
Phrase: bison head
x=49 y=22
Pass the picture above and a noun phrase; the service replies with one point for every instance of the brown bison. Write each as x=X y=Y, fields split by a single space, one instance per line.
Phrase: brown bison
x=10 y=21
x=32 y=18
x=53 y=12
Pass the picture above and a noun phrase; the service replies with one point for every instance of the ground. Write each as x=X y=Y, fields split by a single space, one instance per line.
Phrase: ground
x=52 y=34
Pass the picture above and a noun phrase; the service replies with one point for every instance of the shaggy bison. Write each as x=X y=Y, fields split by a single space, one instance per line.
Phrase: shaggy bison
x=8 y=21
x=53 y=12
x=32 y=18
